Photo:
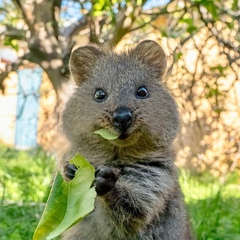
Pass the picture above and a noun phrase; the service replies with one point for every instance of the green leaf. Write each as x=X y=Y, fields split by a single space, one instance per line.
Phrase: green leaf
x=190 y=24
x=107 y=134
x=235 y=5
x=178 y=56
x=211 y=7
x=8 y=41
x=55 y=209
x=68 y=203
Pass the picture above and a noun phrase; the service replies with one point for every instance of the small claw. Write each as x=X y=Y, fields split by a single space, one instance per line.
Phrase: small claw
x=106 y=172
x=70 y=170
x=105 y=180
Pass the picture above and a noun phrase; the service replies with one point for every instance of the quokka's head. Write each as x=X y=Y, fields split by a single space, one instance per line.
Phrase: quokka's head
x=122 y=93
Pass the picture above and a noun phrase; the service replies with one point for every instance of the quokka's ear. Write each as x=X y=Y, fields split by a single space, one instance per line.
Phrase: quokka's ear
x=151 y=54
x=82 y=61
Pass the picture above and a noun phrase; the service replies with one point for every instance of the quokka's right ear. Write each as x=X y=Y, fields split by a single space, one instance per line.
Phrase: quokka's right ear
x=82 y=61
x=151 y=54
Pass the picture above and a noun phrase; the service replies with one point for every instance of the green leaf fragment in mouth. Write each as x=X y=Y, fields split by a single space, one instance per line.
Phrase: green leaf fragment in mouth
x=107 y=134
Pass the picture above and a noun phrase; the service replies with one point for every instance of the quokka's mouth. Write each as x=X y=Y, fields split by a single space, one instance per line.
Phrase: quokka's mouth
x=123 y=136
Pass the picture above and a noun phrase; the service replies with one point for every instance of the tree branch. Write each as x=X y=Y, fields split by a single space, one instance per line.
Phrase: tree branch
x=3 y=10
x=75 y=27
x=216 y=35
x=56 y=15
x=234 y=14
x=12 y=67
x=155 y=15
x=182 y=42
x=154 y=11
x=14 y=33
x=25 y=13
x=125 y=19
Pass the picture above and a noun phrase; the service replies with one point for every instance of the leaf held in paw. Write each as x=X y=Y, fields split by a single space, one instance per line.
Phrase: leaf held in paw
x=68 y=203
x=107 y=134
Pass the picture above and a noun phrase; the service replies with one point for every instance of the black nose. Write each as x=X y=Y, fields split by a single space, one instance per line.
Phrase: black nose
x=122 y=118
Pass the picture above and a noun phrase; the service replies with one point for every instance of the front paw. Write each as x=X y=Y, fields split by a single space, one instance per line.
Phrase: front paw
x=105 y=179
x=69 y=170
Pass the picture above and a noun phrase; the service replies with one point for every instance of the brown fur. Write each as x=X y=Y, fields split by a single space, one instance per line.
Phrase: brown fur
x=146 y=202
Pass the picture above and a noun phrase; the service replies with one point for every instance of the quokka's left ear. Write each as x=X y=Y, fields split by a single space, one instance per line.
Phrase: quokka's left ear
x=82 y=62
x=151 y=54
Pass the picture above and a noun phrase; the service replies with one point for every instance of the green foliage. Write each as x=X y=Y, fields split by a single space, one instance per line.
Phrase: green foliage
x=213 y=207
x=210 y=6
x=18 y=220
x=113 y=11
x=102 y=7
x=11 y=43
x=234 y=5
x=25 y=178
x=22 y=171
x=190 y=27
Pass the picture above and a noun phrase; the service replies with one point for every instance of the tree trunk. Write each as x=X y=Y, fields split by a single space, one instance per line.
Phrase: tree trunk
x=50 y=136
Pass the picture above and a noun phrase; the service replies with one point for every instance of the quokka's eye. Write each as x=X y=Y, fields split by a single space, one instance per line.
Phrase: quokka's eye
x=100 y=95
x=142 y=92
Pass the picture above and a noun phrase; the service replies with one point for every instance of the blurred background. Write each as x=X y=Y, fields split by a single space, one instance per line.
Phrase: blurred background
x=202 y=41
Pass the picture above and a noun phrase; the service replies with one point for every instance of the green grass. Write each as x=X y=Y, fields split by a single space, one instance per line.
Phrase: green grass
x=25 y=179
x=213 y=206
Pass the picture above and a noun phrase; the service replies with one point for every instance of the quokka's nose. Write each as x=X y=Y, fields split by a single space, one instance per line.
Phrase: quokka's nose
x=122 y=118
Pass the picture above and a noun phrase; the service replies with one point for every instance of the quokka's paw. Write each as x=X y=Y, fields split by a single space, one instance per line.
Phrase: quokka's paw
x=69 y=170
x=105 y=179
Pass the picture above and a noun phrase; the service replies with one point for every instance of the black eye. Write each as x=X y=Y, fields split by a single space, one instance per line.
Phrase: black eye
x=142 y=92
x=100 y=95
